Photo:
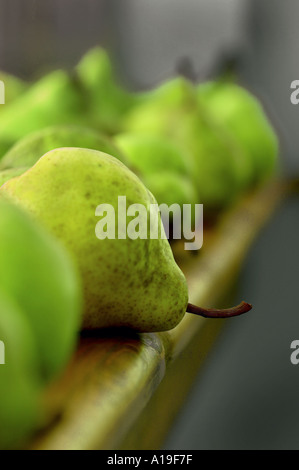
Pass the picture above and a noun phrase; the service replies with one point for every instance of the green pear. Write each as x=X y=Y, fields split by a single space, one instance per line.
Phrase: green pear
x=107 y=97
x=147 y=153
x=6 y=175
x=39 y=275
x=243 y=116
x=171 y=188
x=219 y=166
x=161 y=165
x=128 y=281
x=28 y=150
x=53 y=99
x=14 y=87
x=20 y=389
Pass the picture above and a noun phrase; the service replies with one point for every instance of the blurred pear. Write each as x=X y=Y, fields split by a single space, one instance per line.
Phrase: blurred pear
x=53 y=99
x=20 y=389
x=37 y=273
x=219 y=166
x=242 y=114
x=161 y=165
x=106 y=96
x=14 y=87
x=30 y=148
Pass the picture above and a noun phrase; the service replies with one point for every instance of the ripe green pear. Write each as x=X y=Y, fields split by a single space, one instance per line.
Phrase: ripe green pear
x=28 y=150
x=37 y=272
x=219 y=166
x=128 y=281
x=20 y=388
x=108 y=99
x=53 y=99
x=243 y=116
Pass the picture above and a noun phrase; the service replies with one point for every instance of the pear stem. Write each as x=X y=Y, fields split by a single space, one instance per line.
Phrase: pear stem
x=243 y=307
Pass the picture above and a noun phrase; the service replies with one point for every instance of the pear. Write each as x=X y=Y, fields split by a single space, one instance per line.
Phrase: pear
x=20 y=388
x=39 y=275
x=30 y=148
x=14 y=87
x=128 y=281
x=147 y=154
x=170 y=188
x=53 y=99
x=219 y=166
x=243 y=115
x=161 y=165
x=108 y=99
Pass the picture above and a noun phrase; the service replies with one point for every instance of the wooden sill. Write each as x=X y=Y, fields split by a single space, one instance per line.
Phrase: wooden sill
x=123 y=390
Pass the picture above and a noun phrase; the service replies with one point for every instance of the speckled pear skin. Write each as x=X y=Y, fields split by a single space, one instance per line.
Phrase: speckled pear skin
x=127 y=283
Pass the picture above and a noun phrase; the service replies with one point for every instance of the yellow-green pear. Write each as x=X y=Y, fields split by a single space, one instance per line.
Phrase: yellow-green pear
x=85 y=198
x=38 y=274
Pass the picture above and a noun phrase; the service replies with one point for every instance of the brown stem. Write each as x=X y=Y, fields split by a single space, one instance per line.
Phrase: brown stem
x=243 y=307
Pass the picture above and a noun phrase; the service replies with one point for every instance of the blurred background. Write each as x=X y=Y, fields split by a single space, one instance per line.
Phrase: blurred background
x=245 y=397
